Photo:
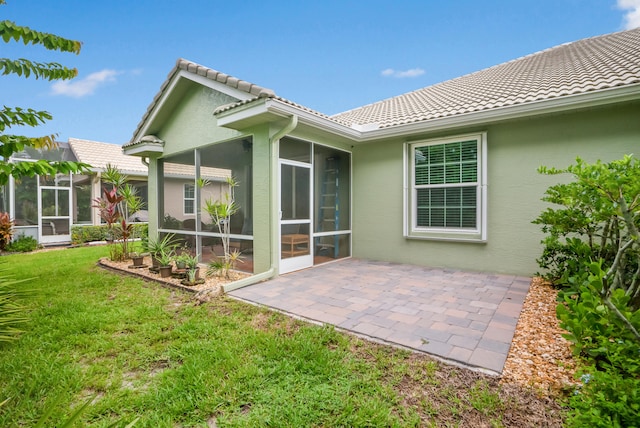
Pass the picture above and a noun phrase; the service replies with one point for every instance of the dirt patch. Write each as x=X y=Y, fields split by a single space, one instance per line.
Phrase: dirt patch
x=445 y=395
x=265 y=321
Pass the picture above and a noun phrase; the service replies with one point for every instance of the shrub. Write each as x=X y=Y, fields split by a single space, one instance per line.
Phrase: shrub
x=601 y=332
x=593 y=251
x=607 y=399
x=24 y=244
x=598 y=216
x=6 y=230
x=81 y=234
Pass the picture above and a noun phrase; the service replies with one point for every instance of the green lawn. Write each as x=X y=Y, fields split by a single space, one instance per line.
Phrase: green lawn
x=148 y=352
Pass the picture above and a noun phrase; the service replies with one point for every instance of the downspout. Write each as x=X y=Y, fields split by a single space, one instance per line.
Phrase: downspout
x=275 y=213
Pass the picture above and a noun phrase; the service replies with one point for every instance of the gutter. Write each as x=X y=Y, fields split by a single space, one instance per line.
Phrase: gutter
x=275 y=214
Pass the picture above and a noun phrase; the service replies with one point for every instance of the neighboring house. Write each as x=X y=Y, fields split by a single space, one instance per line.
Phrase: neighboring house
x=47 y=207
x=444 y=176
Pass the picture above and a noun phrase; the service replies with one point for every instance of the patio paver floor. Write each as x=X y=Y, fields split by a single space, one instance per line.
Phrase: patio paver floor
x=465 y=317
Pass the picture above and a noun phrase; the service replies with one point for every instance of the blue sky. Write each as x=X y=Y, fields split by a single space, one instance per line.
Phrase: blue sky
x=328 y=55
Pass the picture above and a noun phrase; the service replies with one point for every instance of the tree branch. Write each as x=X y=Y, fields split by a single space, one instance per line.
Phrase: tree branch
x=9 y=30
x=45 y=70
x=621 y=316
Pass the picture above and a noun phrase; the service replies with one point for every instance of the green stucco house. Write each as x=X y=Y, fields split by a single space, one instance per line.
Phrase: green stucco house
x=445 y=176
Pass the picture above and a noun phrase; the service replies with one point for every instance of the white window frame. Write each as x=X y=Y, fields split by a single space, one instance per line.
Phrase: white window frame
x=185 y=199
x=411 y=230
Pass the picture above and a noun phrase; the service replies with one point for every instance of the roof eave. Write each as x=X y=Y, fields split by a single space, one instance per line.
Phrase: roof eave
x=144 y=149
x=566 y=103
x=263 y=110
x=270 y=109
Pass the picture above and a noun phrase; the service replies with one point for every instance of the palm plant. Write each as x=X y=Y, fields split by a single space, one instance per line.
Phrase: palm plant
x=156 y=247
x=165 y=258
x=220 y=212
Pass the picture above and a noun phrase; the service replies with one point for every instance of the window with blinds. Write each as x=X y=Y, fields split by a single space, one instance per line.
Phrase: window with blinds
x=446 y=184
x=189 y=199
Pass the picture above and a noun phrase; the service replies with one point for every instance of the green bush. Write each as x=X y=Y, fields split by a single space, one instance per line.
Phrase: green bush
x=601 y=332
x=81 y=234
x=592 y=250
x=23 y=244
x=607 y=399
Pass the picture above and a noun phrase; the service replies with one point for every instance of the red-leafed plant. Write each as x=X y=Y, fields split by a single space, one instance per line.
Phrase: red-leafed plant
x=115 y=207
x=110 y=213
x=6 y=230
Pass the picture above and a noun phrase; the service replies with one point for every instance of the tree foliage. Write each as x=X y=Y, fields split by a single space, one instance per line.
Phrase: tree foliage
x=592 y=250
x=18 y=116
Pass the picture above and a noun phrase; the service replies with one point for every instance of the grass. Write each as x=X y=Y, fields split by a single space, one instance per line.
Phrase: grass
x=137 y=350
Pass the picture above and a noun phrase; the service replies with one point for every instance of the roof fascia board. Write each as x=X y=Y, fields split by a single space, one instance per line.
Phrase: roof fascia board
x=144 y=149
x=158 y=106
x=308 y=118
x=246 y=111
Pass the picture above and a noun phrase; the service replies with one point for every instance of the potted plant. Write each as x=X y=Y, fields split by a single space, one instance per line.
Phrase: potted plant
x=192 y=265
x=193 y=272
x=156 y=247
x=138 y=259
x=181 y=260
x=164 y=260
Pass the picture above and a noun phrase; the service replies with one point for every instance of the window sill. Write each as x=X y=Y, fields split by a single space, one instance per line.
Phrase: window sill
x=469 y=237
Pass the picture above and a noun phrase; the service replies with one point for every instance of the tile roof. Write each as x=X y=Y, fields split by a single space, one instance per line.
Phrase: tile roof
x=593 y=64
x=188 y=171
x=217 y=76
x=98 y=155
x=231 y=106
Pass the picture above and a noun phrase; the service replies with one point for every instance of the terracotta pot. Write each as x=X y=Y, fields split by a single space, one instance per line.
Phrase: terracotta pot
x=138 y=260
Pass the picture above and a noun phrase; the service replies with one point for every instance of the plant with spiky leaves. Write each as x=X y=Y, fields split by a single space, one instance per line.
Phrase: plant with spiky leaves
x=220 y=211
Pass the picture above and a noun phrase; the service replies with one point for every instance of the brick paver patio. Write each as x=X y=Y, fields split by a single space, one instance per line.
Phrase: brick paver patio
x=467 y=317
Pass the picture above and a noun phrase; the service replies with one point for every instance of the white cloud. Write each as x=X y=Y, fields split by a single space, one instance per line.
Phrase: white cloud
x=78 y=88
x=632 y=15
x=412 y=72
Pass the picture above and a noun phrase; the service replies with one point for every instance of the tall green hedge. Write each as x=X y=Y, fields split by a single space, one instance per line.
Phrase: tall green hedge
x=89 y=233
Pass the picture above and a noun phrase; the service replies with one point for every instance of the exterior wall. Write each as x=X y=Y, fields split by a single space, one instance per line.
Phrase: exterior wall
x=192 y=123
x=263 y=199
x=174 y=191
x=515 y=150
